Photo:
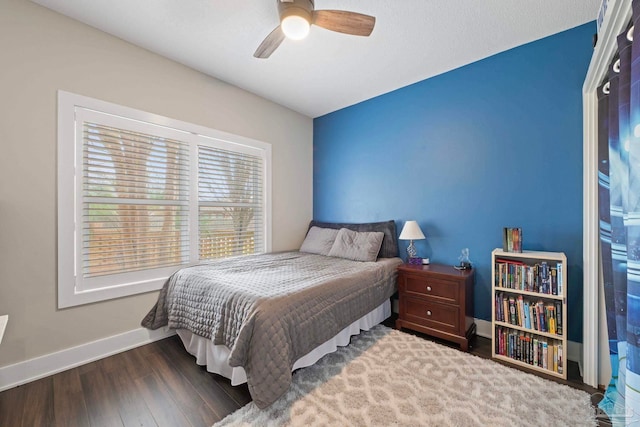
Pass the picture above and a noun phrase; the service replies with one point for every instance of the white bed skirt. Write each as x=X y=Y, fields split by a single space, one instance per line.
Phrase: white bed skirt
x=216 y=357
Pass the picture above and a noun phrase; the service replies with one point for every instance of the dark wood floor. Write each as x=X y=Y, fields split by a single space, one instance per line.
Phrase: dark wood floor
x=158 y=384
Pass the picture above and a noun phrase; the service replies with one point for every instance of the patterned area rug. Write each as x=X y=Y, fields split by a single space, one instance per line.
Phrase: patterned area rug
x=390 y=378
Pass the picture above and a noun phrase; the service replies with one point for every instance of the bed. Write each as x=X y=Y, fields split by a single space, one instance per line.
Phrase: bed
x=257 y=318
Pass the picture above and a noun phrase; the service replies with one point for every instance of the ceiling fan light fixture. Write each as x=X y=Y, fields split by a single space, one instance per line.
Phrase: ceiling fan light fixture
x=295 y=27
x=297 y=16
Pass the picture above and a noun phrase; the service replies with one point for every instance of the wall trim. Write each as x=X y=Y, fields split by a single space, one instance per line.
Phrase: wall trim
x=483 y=328
x=52 y=363
x=574 y=349
x=40 y=367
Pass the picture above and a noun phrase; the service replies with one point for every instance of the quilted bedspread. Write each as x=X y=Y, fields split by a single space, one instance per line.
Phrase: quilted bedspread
x=272 y=309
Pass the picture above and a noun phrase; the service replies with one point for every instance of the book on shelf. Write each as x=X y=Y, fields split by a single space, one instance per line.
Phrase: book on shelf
x=512 y=310
x=559 y=274
x=552 y=319
x=542 y=322
x=559 y=370
x=532 y=315
x=544 y=278
x=520 y=310
x=505 y=307
x=512 y=239
x=559 y=317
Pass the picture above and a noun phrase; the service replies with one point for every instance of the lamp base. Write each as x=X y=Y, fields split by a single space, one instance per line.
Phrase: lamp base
x=415 y=261
x=412 y=252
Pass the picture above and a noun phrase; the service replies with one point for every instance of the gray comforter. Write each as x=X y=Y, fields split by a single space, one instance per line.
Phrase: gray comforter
x=272 y=309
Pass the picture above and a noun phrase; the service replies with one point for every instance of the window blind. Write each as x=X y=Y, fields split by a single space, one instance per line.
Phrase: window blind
x=230 y=203
x=135 y=201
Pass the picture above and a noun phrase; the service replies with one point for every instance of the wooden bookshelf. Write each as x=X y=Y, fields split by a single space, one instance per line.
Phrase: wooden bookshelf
x=529 y=289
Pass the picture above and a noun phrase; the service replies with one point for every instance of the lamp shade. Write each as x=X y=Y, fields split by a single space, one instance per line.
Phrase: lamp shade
x=411 y=231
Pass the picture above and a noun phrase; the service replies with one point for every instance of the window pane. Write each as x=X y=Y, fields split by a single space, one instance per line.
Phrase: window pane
x=126 y=164
x=230 y=195
x=227 y=231
x=135 y=212
x=228 y=177
x=121 y=238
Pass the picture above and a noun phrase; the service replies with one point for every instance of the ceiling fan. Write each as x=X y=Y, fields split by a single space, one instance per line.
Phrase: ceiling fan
x=296 y=17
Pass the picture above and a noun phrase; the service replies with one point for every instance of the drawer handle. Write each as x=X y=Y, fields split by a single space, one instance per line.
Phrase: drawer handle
x=428 y=312
x=429 y=288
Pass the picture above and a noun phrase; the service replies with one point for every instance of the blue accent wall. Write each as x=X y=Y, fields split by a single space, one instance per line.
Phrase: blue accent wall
x=497 y=143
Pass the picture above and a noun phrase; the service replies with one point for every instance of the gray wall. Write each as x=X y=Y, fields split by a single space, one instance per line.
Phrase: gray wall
x=41 y=52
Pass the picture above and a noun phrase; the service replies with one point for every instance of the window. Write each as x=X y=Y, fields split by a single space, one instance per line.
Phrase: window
x=140 y=196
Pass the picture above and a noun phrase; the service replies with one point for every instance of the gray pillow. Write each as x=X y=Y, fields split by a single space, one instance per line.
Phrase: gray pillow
x=358 y=246
x=319 y=240
x=389 y=248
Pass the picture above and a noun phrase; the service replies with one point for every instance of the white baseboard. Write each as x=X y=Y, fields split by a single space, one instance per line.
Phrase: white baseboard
x=574 y=349
x=483 y=328
x=49 y=364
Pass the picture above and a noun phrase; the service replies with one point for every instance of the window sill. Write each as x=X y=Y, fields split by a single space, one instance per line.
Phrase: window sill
x=71 y=297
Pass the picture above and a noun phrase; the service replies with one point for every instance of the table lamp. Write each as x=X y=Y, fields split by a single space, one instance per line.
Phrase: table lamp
x=411 y=231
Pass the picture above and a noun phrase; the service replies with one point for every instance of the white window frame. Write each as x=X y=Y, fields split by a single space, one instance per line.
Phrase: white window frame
x=71 y=291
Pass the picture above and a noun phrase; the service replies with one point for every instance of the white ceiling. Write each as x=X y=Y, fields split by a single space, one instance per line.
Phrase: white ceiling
x=412 y=40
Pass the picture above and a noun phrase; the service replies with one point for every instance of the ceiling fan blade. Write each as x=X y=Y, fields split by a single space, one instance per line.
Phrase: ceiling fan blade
x=342 y=21
x=270 y=43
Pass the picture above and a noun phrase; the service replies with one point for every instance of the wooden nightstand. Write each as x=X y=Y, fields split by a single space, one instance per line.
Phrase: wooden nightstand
x=437 y=300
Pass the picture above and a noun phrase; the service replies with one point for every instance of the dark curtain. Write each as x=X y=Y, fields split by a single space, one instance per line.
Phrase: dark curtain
x=619 y=212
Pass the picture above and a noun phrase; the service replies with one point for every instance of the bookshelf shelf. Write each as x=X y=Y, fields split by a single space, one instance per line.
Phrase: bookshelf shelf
x=527 y=366
x=554 y=256
x=529 y=310
x=533 y=331
x=531 y=294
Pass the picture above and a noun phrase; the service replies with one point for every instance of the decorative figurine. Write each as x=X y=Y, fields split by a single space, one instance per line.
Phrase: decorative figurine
x=465 y=263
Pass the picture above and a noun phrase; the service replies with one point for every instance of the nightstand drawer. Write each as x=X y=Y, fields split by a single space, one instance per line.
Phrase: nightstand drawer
x=440 y=316
x=442 y=290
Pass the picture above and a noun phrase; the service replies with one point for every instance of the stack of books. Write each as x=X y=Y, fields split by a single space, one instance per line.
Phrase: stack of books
x=542 y=278
x=530 y=349
x=535 y=315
